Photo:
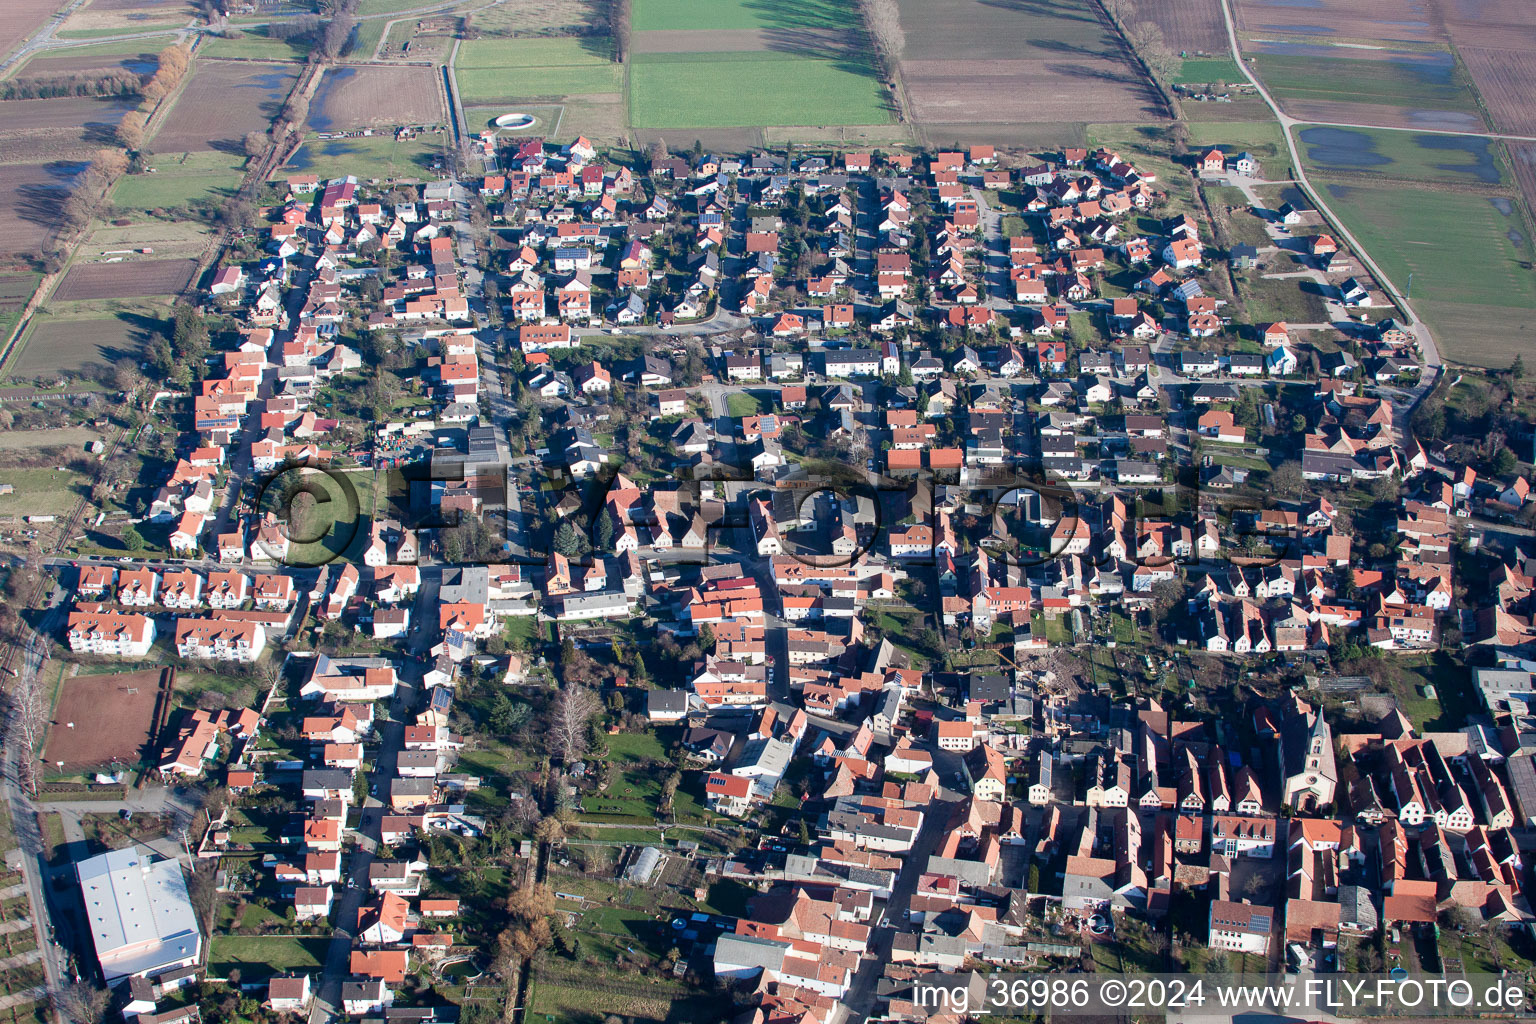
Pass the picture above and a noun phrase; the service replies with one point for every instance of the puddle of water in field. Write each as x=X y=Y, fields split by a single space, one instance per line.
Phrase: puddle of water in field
x=1482 y=168
x=139 y=67
x=1339 y=191
x=1431 y=67
x=1444 y=121
x=1311 y=30
x=318 y=118
x=304 y=158
x=1507 y=209
x=268 y=81
x=1341 y=147
x=65 y=171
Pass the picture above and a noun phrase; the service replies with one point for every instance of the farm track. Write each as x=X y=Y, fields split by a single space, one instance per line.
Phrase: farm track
x=1420 y=330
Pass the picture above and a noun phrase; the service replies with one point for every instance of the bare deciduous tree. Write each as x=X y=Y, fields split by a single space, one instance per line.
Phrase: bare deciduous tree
x=29 y=707
x=82 y=1003
x=569 y=717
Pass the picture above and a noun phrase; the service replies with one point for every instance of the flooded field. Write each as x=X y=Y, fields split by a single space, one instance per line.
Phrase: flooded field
x=1412 y=156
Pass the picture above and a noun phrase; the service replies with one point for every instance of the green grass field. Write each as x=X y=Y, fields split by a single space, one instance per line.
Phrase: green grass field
x=739 y=14
x=741 y=90
x=1261 y=138
x=43 y=492
x=1413 y=156
x=1470 y=277
x=365 y=38
x=1202 y=70
x=1382 y=82
x=741 y=404
x=255 y=46
x=378 y=157
x=258 y=956
x=494 y=69
x=181 y=179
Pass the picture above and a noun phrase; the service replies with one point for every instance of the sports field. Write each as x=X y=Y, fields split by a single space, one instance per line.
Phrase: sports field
x=750 y=89
x=1467 y=255
x=493 y=69
x=105 y=719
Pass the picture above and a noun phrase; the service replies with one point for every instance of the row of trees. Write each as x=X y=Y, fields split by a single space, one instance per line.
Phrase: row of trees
x=93 y=83
x=172 y=65
x=91 y=187
x=619 y=26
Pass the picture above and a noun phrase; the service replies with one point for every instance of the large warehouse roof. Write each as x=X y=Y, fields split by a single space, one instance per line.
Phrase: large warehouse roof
x=141 y=916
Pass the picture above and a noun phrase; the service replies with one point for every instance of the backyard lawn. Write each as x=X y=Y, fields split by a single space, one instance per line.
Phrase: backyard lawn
x=257 y=956
x=742 y=403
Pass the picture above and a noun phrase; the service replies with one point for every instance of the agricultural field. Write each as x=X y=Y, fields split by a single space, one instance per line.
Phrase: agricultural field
x=1522 y=161
x=1397 y=89
x=221 y=102
x=1506 y=79
x=742 y=64
x=15 y=291
x=113 y=17
x=136 y=55
x=1381 y=20
x=104 y=719
x=181 y=179
x=55 y=345
x=377 y=157
x=1468 y=255
x=352 y=97
x=660 y=15
x=29 y=210
x=974 y=68
x=1405 y=155
x=538 y=18
x=124 y=280
x=749 y=89
x=65 y=128
x=1188 y=26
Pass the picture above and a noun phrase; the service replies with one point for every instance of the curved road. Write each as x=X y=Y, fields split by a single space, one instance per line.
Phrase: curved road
x=1426 y=341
